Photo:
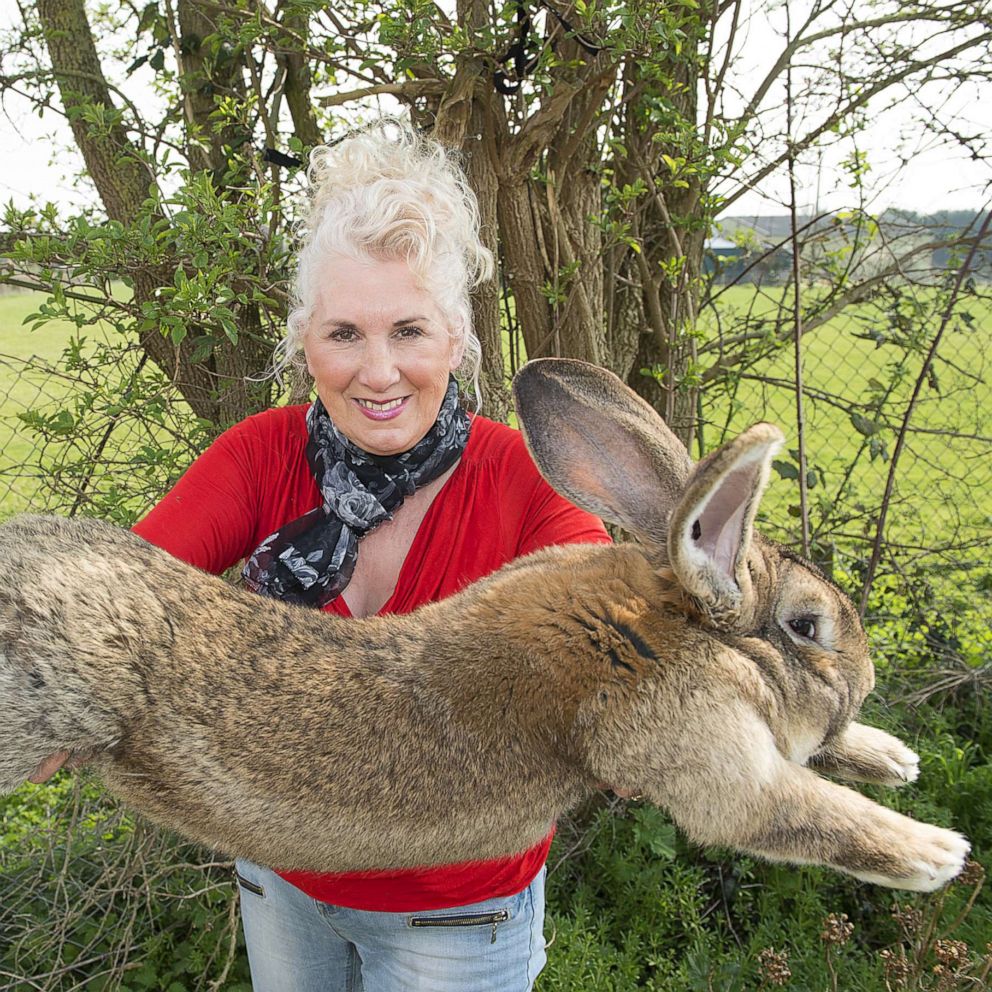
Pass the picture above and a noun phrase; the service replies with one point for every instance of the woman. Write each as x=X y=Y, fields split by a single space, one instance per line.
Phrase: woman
x=380 y=497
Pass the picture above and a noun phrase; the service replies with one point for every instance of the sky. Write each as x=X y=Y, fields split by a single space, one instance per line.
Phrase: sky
x=908 y=167
x=37 y=158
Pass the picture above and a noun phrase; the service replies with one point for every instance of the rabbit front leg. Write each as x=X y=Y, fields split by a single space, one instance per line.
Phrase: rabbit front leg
x=811 y=820
x=745 y=794
x=866 y=754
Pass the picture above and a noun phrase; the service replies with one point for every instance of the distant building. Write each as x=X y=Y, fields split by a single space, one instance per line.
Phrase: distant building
x=754 y=256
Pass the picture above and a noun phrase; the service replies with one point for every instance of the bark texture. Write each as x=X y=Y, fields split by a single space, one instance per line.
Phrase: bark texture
x=216 y=388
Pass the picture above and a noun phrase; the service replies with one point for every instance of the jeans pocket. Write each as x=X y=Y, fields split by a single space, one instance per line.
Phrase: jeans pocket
x=486 y=918
x=248 y=885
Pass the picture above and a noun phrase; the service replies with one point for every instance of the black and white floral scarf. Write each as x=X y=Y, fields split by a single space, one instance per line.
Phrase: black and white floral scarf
x=311 y=559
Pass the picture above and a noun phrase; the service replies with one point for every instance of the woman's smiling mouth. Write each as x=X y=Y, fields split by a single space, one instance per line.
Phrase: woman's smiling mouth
x=384 y=410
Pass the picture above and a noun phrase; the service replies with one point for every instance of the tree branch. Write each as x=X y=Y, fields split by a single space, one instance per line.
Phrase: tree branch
x=911 y=408
x=408 y=90
x=854 y=104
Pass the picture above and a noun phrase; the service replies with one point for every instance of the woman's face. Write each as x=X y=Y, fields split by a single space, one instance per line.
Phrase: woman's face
x=379 y=351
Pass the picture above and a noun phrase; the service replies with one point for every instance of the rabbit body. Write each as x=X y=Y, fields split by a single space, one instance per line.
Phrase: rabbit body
x=459 y=732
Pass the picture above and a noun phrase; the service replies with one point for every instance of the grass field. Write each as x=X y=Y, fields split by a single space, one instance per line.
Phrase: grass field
x=945 y=474
x=630 y=905
x=23 y=386
x=35 y=379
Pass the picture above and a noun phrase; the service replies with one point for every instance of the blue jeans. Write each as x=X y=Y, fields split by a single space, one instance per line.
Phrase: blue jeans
x=298 y=944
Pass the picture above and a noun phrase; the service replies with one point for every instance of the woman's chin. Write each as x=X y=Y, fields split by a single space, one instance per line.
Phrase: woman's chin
x=385 y=437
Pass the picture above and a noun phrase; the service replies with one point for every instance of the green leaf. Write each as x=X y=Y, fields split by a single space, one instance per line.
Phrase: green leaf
x=785 y=469
x=863 y=425
x=877 y=449
x=148 y=16
x=654 y=831
x=135 y=65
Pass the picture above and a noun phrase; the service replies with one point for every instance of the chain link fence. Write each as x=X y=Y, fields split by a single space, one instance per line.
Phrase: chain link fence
x=90 y=899
x=855 y=399
x=868 y=397
x=102 y=435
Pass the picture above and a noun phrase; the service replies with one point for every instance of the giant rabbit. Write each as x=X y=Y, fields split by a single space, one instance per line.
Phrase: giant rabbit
x=707 y=668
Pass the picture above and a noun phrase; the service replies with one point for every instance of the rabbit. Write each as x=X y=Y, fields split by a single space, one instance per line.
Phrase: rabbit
x=705 y=668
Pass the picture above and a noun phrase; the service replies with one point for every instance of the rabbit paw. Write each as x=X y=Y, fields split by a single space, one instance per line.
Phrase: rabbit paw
x=902 y=763
x=929 y=858
x=875 y=756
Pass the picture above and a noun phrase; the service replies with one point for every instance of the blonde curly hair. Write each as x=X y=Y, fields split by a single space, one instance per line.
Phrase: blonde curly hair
x=387 y=192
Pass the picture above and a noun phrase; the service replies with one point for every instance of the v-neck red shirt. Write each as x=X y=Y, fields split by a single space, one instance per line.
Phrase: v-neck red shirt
x=495 y=507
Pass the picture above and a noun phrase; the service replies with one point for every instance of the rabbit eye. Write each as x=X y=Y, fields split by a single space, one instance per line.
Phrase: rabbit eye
x=804 y=627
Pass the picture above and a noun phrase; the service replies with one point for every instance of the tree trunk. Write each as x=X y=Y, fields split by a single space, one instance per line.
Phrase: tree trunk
x=552 y=247
x=574 y=205
x=481 y=158
x=671 y=228
x=467 y=119
x=234 y=395
x=111 y=160
x=297 y=87
x=215 y=390
x=525 y=263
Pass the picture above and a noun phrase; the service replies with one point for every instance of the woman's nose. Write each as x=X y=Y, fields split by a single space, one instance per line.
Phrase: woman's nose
x=378 y=370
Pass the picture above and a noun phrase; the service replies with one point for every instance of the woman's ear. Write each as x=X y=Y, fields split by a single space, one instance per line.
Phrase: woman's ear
x=457 y=348
x=306 y=351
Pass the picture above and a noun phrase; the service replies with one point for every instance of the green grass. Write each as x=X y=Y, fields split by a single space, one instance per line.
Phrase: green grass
x=24 y=386
x=943 y=483
x=632 y=907
x=105 y=433
x=944 y=476
x=16 y=339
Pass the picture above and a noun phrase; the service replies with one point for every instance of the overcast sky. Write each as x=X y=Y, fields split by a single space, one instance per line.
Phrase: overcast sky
x=37 y=159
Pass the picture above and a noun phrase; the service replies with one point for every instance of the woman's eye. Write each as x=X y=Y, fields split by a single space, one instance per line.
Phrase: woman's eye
x=804 y=627
x=410 y=331
x=342 y=334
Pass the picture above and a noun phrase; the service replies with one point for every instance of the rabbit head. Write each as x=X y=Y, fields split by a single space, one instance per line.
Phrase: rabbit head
x=607 y=450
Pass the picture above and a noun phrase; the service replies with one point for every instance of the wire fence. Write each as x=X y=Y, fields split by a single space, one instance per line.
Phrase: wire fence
x=855 y=399
x=75 y=442
x=90 y=897
x=94 y=900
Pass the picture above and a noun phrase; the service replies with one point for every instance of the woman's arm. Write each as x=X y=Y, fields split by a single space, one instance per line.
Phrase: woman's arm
x=211 y=517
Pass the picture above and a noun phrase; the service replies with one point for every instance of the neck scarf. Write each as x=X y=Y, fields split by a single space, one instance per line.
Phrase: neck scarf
x=311 y=559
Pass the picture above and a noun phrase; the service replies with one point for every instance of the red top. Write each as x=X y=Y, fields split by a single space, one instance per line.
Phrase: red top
x=494 y=508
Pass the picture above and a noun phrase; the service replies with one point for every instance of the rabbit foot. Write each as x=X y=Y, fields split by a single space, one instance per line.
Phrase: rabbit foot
x=903 y=763
x=932 y=857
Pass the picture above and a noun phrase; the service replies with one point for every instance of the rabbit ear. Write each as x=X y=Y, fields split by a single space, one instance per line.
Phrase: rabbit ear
x=711 y=526
x=600 y=445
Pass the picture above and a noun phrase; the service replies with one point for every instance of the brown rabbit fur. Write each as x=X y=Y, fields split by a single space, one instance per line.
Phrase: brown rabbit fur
x=704 y=668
